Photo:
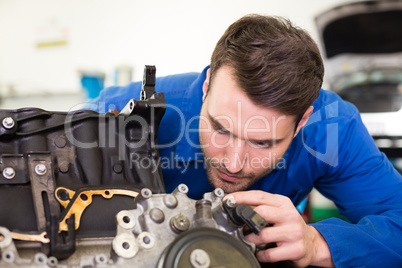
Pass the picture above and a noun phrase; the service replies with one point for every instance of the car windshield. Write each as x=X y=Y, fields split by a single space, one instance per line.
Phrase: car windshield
x=372 y=91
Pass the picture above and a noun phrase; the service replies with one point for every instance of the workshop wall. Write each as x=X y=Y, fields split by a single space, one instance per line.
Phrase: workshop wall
x=46 y=44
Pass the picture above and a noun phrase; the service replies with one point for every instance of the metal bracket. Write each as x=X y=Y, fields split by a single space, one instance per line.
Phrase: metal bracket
x=76 y=202
x=43 y=186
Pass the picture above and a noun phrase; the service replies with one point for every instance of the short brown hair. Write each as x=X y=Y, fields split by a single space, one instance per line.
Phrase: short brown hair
x=275 y=63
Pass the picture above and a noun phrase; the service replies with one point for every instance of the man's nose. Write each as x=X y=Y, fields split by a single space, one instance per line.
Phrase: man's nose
x=235 y=156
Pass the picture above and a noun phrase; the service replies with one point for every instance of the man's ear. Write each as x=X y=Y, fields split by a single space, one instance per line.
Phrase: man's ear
x=304 y=119
x=205 y=86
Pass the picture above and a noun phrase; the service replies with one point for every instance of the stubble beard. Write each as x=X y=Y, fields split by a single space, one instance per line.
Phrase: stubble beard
x=228 y=187
x=216 y=181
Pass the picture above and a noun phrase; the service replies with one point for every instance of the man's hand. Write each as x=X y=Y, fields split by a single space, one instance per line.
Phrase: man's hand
x=114 y=111
x=295 y=240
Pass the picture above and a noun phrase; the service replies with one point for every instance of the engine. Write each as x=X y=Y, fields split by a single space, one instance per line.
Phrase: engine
x=70 y=198
x=164 y=230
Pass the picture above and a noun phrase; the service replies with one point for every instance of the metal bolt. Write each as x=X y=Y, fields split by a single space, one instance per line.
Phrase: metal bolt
x=180 y=223
x=183 y=188
x=117 y=168
x=146 y=193
x=101 y=259
x=146 y=240
x=40 y=258
x=8 y=123
x=231 y=202
x=60 y=142
x=52 y=261
x=8 y=256
x=40 y=169
x=219 y=192
x=199 y=258
x=8 y=173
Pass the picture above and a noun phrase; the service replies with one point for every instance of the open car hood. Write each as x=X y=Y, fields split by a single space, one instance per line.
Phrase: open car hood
x=362 y=48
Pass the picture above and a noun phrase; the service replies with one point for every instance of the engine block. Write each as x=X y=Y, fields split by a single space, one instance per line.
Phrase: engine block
x=69 y=196
x=164 y=230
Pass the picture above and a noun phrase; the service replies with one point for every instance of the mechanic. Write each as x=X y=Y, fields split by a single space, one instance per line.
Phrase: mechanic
x=257 y=119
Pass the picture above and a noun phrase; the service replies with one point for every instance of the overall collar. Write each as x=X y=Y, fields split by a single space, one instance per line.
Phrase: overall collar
x=188 y=147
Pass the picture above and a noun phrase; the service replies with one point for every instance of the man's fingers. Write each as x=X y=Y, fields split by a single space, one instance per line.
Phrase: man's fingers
x=272 y=215
x=270 y=235
x=271 y=255
x=281 y=253
x=256 y=198
x=275 y=215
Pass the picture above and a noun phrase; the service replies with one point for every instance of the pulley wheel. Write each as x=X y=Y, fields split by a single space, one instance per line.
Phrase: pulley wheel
x=207 y=247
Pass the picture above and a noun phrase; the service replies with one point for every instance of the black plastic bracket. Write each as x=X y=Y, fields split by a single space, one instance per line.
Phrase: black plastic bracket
x=241 y=214
x=148 y=82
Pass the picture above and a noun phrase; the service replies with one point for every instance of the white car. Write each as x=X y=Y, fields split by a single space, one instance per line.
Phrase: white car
x=361 y=45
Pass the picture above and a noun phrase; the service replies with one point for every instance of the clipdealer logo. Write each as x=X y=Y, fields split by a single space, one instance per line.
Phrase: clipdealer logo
x=331 y=154
x=111 y=130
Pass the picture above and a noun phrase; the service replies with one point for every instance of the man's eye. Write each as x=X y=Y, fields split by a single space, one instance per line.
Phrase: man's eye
x=222 y=131
x=219 y=129
x=261 y=144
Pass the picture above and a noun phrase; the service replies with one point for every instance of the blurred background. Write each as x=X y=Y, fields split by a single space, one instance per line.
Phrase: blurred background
x=56 y=54
x=47 y=46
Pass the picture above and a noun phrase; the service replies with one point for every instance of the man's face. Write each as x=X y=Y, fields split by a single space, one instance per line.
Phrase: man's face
x=241 y=142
